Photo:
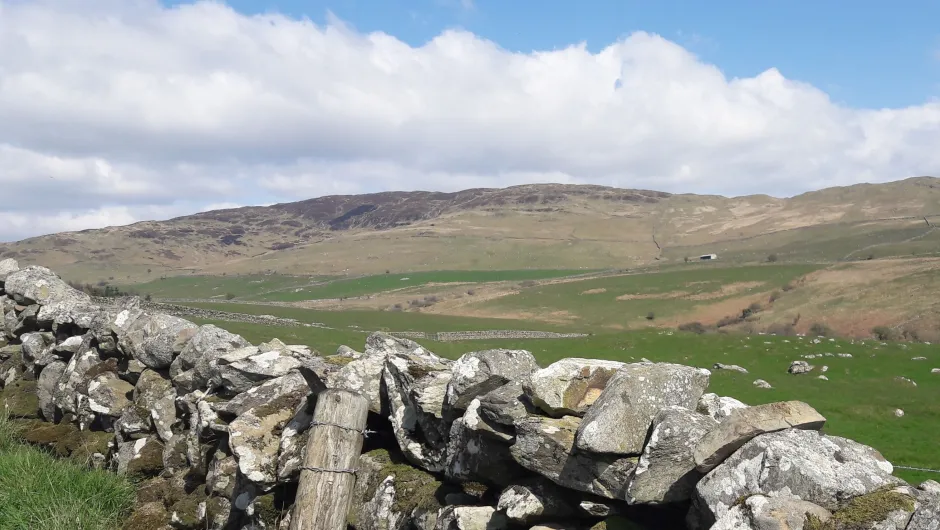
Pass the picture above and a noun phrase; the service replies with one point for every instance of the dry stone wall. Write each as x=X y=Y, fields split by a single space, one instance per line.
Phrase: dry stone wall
x=215 y=429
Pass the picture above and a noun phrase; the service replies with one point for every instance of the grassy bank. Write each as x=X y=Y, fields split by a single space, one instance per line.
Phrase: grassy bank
x=40 y=492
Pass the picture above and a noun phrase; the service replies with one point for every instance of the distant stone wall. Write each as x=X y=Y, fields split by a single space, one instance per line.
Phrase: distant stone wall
x=215 y=428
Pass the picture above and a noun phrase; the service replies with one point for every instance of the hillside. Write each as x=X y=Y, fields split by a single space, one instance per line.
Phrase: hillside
x=531 y=226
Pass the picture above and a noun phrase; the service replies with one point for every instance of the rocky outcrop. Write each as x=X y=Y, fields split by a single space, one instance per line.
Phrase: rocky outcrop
x=214 y=429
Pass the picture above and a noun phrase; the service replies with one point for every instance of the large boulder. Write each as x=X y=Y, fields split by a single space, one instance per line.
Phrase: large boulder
x=39 y=285
x=759 y=512
x=208 y=344
x=473 y=456
x=477 y=373
x=823 y=470
x=620 y=418
x=156 y=339
x=744 y=424
x=666 y=470
x=569 y=386
x=416 y=385
x=7 y=267
x=546 y=446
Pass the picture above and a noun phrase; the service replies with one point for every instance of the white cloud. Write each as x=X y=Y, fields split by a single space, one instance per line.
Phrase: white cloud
x=120 y=110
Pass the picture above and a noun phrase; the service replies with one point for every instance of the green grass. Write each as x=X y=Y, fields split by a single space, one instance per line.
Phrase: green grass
x=220 y=286
x=603 y=309
x=858 y=400
x=39 y=492
x=387 y=282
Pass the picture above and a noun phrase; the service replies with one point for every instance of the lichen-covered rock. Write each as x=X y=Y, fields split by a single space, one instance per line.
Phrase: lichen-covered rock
x=255 y=436
x=293 y=446
x=927 y=509
x=149 y=516
x=718 y=407
x=156 y=394
x=108 y=395
x=536 y=500
x=208 y=343
x=759 y=512
x=475 y=422
x=477 y=373
x=7 y=267
x=156 y=339
x=66 y=396
x=824 y=470
x=666 y=470
x=361 y=374
x=886 y=509
x=546 y=446
x=475 y=457
x=743 y=424
x=38 y=285
x=470 y=518
x=506 y=405
x=220 y=479
x=244 y=368
x=415 y=385
x=74 y=309
x=45 y=388
x=800 y=367
x=390 y=494
x=569 y=386
x=142 y=457
x=18 y=399
x=11 y=364
x=35 y=346
x=620 y=418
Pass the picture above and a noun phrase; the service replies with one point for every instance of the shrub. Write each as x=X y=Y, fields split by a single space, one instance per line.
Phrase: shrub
x=751 y=310
x=651 y=316
x=818 y=329
x=693 y=327
x=884 y=333
x=528 y=283
x=772 y=258
x=471 y=292
x=729 y=321
x=788 y=287
x=229 y=296
x=774 y=296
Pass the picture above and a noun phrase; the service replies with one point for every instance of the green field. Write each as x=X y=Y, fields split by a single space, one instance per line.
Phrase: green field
x=858 y=400
x=220 y=286
x=662 y=293
x=388 y=282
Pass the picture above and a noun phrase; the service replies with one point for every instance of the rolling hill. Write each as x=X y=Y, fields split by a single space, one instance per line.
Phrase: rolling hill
x=521 y=227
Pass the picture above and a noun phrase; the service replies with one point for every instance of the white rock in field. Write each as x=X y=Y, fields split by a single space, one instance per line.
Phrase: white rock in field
x=898 y=412
x=760 y=383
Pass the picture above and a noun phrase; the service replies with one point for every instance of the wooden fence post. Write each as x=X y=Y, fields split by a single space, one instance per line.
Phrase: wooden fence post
x=328 y=475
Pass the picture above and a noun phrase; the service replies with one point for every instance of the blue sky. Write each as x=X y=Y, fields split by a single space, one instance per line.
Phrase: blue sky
x=115 y=111
x=864 y=53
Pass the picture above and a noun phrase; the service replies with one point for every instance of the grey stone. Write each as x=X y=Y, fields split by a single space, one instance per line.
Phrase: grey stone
x=760 y=383
x=800 y=367
x=718 y=407
x=477 y=373
x=475 y=422
x=363 y=375
x=666 y=470
x=569 y=386
x=620 y=418
x=534 y=501
x=74 y=309
x=35 y=346
x=470 y=518
x=221 y=477
x=415 y=385
x=744 y=424
x=65 y=396
x=506 y=405
x=209 y=343
x=244 y=368
x=475 y=457
x=156 y=339
x=759 y=512
x=546 y=446
x=823 y=470
x=930 y=486
x=7 y=266
x=732 y=367
x=254 y=437
x=927 y=509
x=156 y=394
x=45 y=388
x=108 y=395
x=38 y=285
x=293 y=445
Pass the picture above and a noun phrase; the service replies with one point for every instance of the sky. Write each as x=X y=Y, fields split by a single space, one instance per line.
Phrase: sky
x=115 y=111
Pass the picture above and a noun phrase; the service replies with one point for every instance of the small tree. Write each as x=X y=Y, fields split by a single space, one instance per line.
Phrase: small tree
x=884 y=333
x=772 y=258
x=818 y=329
x=148 y=297
x=686 y=259
x=651 y=316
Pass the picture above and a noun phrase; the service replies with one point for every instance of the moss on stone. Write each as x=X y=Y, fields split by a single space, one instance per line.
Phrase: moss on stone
x=338 y=360
x=149 y=462
x=266 y=507
x=617 y=523
x=156 y=489
x=148 y=516
x=185 y=511
x=19 y=399
x=414 y=488
x=861 y=512
x=82 y=445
